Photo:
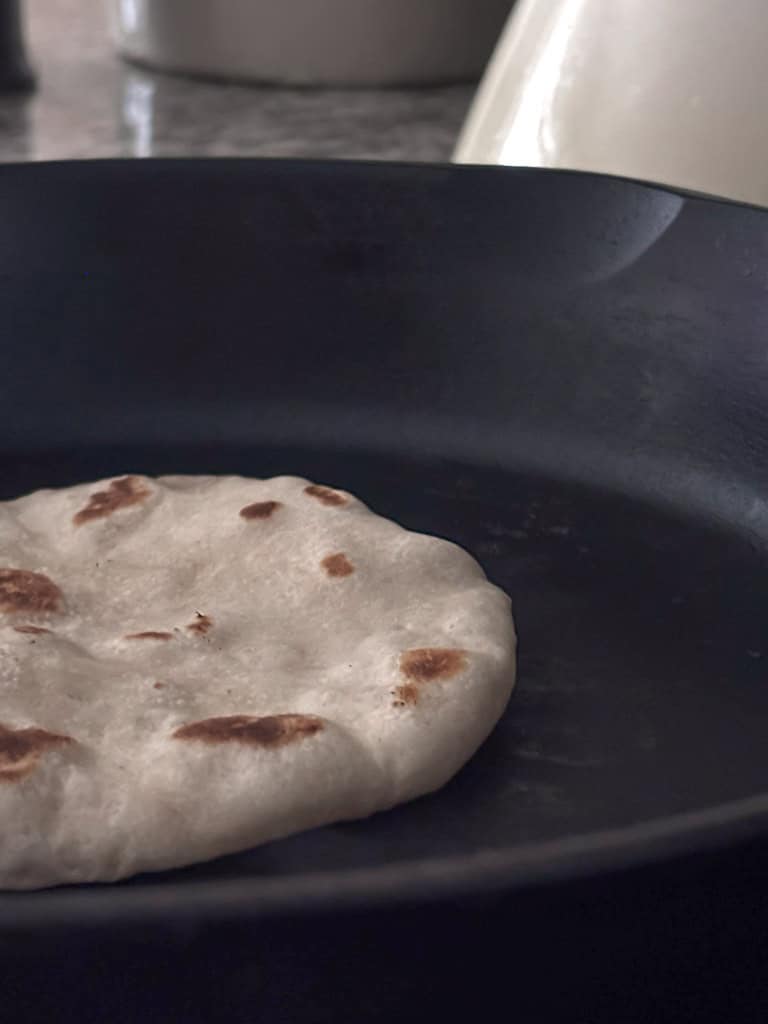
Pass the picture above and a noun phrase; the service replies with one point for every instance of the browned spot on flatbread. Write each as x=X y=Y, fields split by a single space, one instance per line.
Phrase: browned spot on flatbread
x=201 y=625
x=269 y=731
x=408 y=693
x=25 y=591
x=128 y=490
x=158 y=686
x=34 y=630
x=338 y=565
x=149 y=634
x=325 y=494
x=21 y=749
x=260 y=509
x=423 y=665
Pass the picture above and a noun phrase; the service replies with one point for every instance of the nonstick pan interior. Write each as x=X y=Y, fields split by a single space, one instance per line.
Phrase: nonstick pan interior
x=574 y=422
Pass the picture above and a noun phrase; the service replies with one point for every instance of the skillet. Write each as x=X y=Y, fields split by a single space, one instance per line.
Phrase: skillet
x=564 y=373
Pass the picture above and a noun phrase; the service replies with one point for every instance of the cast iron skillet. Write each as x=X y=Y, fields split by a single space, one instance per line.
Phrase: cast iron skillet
x=567 y=375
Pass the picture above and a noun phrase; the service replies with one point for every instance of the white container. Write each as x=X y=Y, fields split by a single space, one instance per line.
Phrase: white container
x=313 y=42
x=670 y=91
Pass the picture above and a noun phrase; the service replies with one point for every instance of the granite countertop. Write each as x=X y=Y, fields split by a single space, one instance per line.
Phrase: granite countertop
x=89 y=103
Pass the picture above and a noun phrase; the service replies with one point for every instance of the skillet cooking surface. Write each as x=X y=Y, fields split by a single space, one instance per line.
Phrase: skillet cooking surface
x=576 y=422
x=632 y=623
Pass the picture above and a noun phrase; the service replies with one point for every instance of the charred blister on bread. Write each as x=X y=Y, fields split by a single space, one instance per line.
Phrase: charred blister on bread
x=423 y=665
x=202 y=624
x=260 y=509
x=149 y=634
x=122 y=493
x=326 y=495
x=21 y=750
x=268 y=731
x=24 y=591
x=337 y=565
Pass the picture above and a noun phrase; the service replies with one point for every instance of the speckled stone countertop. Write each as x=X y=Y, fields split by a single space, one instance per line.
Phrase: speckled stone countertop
x=89 y=103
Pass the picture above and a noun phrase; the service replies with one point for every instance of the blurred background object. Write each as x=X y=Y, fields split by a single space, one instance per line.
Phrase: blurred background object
x=668 y=91
x=313 y=42
x=15 y=72
x=90 y=103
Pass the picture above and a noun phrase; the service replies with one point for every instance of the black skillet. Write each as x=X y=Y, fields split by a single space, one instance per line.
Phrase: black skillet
x=566 y=374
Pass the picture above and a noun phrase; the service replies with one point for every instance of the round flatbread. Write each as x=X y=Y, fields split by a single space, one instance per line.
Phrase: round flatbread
x=190 y=666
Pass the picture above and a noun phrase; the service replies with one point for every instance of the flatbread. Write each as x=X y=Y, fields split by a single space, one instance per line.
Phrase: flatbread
x=190 y=666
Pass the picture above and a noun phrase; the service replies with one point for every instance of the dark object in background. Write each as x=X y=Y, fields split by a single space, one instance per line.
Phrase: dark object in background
x=15 y=72
x=567 y=375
